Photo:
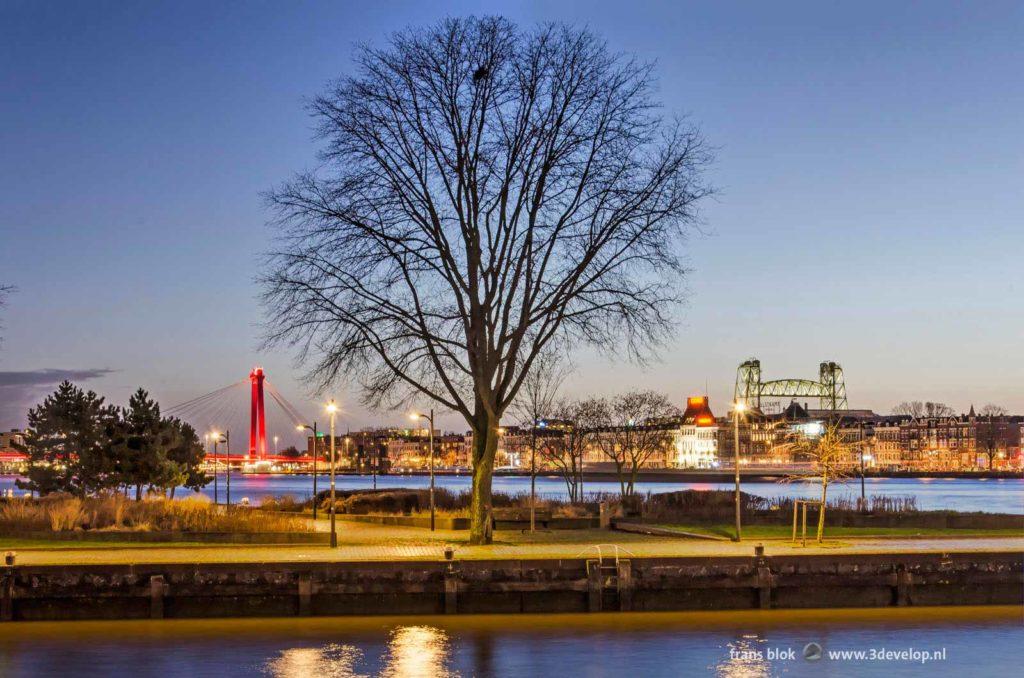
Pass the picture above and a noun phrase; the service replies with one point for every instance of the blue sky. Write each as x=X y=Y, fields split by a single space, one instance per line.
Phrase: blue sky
x=870 y=164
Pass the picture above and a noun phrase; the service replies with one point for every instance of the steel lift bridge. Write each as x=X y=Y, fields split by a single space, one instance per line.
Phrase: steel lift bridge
x=829 y=389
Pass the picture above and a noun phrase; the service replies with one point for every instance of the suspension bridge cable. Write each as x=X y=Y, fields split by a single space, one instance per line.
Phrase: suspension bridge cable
x=289 y=409
x=194 y=401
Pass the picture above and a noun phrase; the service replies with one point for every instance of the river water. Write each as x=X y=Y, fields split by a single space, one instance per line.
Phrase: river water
x=992 y=495
x=958 y=642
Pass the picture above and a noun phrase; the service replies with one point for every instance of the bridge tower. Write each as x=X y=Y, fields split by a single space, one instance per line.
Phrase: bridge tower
x=830 y=389
x=257 y=417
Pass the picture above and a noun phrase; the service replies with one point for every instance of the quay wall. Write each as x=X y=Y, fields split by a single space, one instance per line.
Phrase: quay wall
x=189 y=590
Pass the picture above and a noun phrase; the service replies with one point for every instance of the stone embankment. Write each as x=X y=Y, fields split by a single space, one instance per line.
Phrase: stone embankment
x=189 y=590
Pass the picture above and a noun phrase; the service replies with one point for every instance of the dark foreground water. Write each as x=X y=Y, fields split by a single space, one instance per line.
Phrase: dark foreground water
x=886 y=642
x=988 y=494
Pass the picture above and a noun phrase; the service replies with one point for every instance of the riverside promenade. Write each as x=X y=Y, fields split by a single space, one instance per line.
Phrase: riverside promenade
x=368 y=542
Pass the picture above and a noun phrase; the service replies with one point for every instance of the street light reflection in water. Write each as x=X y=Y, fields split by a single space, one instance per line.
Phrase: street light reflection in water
x=412 y=651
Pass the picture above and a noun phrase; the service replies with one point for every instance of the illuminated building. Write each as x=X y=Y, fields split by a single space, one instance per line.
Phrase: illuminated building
x=696 y=445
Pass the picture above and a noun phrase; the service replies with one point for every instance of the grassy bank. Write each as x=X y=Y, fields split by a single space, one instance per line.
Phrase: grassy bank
x=786 y=531
x=114 y=512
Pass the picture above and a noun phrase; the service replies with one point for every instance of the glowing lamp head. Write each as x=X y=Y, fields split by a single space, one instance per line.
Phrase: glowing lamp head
x=300 y=427
x=741 y=407
x=414 y=416
x=331 y=407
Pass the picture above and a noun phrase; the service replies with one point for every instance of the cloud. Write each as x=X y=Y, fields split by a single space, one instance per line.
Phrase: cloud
x=50 y=376
x=21 y=390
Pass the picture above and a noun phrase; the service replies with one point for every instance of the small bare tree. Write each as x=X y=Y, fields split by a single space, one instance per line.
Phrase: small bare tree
x=565 y=453
x=830 y=453
x=989 y=430
x=484 y=191
x=536 y=402
x=634 y=430
x=927 y=409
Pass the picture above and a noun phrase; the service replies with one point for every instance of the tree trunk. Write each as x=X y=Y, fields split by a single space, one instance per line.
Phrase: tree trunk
x=172 y=492
x=138 y=492
x=533 y=478
x=821 y=512
x=485 y=445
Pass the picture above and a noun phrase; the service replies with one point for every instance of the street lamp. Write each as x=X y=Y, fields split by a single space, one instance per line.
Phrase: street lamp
x=738 y=409
x=332 y=409
x=430 y=418
x=303 y=427
x=226 y=439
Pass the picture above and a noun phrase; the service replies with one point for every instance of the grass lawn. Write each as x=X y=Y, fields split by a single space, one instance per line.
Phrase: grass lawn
x=786 y=531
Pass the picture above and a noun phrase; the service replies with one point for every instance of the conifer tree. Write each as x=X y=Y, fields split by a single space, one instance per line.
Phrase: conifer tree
x=68 y=442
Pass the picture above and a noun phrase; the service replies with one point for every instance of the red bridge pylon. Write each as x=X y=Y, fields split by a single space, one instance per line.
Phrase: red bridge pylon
x=257 y=417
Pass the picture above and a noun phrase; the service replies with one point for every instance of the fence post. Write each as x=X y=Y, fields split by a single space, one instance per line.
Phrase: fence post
x=796 y=504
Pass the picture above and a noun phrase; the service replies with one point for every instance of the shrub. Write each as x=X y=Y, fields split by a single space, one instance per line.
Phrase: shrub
x=60 y=513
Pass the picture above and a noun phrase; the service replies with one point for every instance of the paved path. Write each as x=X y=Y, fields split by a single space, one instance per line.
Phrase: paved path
x=359 y=541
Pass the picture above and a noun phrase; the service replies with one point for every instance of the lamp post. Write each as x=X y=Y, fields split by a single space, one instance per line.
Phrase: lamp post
x=303 y=427
x=227 y=467
x=215 y=437
x=738 y=409
x=332 y=409
x=863 y=499
x=429 y=418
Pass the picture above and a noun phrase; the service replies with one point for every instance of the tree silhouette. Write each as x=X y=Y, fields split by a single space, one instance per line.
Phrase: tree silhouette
x=484 y=191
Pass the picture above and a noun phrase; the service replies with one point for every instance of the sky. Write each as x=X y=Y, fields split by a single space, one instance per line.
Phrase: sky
x=869 y=164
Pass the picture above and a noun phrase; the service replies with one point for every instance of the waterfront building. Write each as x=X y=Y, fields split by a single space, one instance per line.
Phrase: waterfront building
x=696 y=443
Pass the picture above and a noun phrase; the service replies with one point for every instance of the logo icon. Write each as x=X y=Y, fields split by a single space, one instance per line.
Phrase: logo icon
x=812 y=652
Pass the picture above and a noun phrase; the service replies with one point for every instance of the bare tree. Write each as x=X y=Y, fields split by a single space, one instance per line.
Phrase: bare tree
x=993 y=410
x=484 y=191
x=918 y=409
x=911 y=408
x=633 y=429
x=831 y=453
x=536 y=402
x=991 y=431
x=575 y=419
x=938 y=410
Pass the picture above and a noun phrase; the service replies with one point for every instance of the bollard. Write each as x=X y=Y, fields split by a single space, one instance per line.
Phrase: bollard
x=9 y=558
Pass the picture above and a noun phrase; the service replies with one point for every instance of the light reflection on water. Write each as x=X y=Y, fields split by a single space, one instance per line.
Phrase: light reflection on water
x=329 y=661
x=978 y=641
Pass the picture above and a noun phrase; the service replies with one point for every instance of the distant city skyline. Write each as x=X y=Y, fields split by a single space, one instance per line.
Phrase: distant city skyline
x=869 y=162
